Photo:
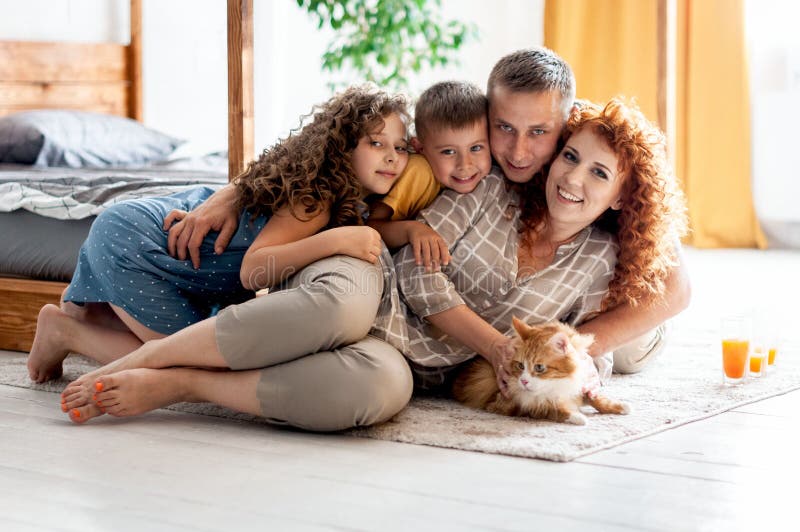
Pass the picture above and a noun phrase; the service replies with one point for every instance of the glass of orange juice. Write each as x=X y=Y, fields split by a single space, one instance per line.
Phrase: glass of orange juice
x=765 y=342
x=735 y=332
x=772 y=343
x=759 y=356
x=772 y=351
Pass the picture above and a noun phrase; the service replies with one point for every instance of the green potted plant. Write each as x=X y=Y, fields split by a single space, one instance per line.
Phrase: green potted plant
x=384 y=41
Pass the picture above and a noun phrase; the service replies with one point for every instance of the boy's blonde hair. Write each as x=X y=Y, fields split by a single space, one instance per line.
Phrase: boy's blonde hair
x=448 y=104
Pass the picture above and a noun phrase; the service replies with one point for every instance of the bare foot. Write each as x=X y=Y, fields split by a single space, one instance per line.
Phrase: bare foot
x=136 y=391
x=79 y=392
x=48 y=351
x=84 y=413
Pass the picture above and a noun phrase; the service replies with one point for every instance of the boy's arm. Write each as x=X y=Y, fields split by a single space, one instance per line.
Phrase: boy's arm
x=430 y=249
x=464 y=325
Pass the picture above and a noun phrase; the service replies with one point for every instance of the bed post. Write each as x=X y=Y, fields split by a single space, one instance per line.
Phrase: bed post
x=135 y=62
x=240 y=85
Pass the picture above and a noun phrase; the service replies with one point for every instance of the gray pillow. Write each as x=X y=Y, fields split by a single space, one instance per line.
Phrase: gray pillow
x=79 y=139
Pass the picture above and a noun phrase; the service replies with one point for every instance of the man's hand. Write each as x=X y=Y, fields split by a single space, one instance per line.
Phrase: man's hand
x=188 y=229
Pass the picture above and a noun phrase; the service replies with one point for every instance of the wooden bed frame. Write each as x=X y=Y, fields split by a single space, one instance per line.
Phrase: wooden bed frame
x=104 y=78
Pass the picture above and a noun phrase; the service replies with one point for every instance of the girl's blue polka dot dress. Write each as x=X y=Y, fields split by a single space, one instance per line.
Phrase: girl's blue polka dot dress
x=124 y=261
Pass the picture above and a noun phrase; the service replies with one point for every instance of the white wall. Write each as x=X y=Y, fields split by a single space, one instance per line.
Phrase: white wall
x=184 y=48
x=774 y=46
x=64 y=20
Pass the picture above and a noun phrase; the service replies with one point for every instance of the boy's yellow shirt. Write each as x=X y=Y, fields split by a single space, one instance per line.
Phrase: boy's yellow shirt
x=415 y=189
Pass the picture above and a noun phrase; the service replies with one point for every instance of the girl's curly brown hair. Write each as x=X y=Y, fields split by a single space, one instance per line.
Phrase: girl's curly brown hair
x=311 y=170
x=653 y=213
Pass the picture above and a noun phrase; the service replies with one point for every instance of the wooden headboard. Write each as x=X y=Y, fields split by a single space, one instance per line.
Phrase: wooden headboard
x=100 y=77
x=105 y=78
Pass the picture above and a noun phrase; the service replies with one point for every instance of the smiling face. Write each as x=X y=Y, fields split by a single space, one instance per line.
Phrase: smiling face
x=583 y=182
x=523 y=130
x=459 y=158
x=381 y=156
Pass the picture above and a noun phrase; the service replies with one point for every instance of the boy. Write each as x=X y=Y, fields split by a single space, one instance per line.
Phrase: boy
x=453 y=140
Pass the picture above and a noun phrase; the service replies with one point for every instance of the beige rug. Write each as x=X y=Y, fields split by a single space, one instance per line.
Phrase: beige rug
x=683 y=385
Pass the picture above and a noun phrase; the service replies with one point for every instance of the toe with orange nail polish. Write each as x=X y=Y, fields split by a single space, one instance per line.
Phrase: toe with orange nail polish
x=63 y=408
x=76 y=412
x=98 y=386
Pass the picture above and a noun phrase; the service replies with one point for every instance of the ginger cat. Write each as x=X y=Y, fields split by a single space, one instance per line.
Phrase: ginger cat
x=551 y=377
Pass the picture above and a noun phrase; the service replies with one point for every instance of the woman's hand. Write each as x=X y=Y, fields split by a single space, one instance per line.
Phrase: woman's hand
x=360 y=242
x=188 y=229
x=430 y=249
x=501 y=353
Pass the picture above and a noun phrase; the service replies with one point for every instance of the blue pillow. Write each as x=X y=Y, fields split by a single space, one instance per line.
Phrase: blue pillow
x=78 y=139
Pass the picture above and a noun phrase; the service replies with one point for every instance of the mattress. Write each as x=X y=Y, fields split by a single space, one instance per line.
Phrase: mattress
x=38 y=247
x=46 y=213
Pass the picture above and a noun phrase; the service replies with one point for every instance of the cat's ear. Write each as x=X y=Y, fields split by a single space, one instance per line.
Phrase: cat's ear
x=521 y=327
x=582 y=342
x=560 y=342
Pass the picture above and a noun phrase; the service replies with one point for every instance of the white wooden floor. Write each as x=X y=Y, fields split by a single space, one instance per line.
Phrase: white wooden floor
x=176 y=471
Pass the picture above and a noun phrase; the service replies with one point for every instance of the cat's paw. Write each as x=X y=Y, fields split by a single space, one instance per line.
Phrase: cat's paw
x=576 y=418
x=624 y=409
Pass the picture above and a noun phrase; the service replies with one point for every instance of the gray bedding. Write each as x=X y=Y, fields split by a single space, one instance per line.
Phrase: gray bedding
x=45 y=213
x=74 y=194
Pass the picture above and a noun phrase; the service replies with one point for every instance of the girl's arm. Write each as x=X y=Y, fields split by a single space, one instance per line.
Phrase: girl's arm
x=430 y=249
x=286 y=245
x=392 y=232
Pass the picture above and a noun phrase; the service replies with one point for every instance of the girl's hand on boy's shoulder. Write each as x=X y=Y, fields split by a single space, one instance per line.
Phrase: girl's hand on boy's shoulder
x=430 y=249
x=358 y=241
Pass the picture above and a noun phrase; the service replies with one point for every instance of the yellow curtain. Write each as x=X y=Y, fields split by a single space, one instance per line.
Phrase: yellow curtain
x=612 y=47
x=713 y=124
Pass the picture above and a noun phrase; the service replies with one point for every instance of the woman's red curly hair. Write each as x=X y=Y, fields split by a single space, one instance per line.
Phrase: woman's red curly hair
x=653 y=213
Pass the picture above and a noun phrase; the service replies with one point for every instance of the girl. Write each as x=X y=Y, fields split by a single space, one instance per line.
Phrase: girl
x=301 y=201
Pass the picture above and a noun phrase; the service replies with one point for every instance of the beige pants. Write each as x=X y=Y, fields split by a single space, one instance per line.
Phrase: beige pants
x=634 y=356
x=320 y=369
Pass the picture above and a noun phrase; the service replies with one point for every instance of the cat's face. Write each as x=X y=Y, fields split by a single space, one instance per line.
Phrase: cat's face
x=545 y=355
